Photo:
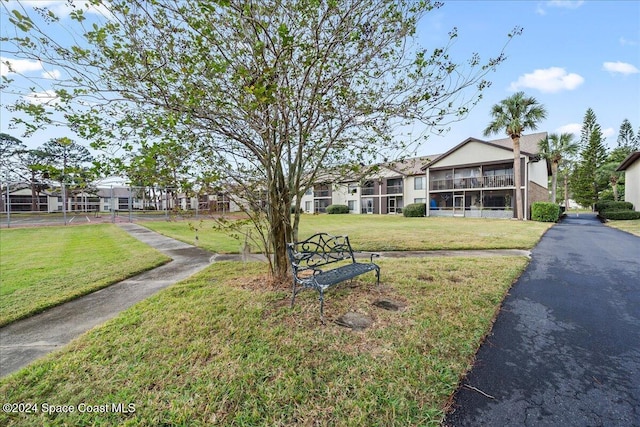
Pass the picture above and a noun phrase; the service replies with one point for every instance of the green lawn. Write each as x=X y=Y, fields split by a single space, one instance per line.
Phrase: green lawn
x=45 y=266
x=380 y=232
x=630 y=226
x=224 y=348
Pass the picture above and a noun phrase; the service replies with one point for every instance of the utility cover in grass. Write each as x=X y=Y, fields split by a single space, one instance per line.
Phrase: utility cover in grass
x=355 y=321
x=388 y=304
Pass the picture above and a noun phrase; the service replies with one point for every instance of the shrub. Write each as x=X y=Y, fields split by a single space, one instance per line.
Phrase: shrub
x=337 y=209
x=613 y=206
x=623 y=214
x=415 y=210
x=545 y=212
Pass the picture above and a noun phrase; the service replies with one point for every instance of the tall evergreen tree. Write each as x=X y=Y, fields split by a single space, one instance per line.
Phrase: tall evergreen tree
x=586 y=182
x=627 y=139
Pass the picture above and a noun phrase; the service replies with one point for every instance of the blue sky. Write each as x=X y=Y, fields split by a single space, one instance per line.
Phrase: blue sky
x=572 y=55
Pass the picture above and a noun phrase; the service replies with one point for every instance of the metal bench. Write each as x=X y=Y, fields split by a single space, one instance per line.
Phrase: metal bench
x=309 y=259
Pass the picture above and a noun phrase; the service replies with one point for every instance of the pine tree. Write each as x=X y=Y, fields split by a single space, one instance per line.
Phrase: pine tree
x=586 y=182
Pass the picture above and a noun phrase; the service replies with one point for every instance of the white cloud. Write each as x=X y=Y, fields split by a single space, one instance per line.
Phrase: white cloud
x=608 y=132
x=18 y=66
x=574 y=128
x=550 y=80
x=564 y=4
x=620 y=67
x=52 y=75
x=627 y=42
x=62 y=8
x=48 y=97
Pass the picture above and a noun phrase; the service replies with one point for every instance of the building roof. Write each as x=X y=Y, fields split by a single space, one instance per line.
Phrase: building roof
x=631 y=159
x=529 y=145
x=412 y=166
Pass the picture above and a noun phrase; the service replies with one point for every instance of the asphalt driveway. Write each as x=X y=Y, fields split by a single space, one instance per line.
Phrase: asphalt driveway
x=565 y=348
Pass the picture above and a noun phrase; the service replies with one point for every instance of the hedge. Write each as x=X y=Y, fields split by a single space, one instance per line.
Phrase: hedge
x=545 y=212
x=624 y=214
x=613 y=206
x=337 y=209
x=415 y=210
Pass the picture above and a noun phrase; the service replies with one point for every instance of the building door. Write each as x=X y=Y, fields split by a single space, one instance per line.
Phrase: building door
x=367 y=206
x=458 y=205
x=391 y=205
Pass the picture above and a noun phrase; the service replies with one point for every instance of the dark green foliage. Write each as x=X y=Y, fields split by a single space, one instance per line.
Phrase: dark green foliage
x=337 y=209
x=613 y=206
x=625 y=214
x=545 y=212
x=415 y=210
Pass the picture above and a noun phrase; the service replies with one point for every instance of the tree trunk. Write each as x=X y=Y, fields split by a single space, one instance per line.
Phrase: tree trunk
x=566 y=192
x=34 y=196
x=554 y=181
x=517 y=176
x=279 y=211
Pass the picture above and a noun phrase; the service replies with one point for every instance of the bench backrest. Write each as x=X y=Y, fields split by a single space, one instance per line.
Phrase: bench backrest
x=318 y=250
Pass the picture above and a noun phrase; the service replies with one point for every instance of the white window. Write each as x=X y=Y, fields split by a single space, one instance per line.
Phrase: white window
x=418 y=183
x=419 y=200
x=352 y=205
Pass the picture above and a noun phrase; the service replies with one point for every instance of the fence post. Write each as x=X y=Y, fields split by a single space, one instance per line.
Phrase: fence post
x=8 y=205
x=64 y=203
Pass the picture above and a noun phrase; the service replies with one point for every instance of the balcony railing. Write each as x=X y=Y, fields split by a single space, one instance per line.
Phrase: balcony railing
x=394 y=189
x=368 y=191
x=496 y=181
x=322 y=193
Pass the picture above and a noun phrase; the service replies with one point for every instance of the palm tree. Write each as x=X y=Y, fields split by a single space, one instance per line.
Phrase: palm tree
x=516 y=114
x=556 y=148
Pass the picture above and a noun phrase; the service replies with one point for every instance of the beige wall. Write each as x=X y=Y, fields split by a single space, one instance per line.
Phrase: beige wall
x=632 y=184
x=473 y=153
x=538 y=173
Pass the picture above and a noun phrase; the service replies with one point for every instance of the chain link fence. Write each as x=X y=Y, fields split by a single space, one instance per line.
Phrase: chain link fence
x=26 y=204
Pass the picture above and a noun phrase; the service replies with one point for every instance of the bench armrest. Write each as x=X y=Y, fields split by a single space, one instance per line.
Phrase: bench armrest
x=371 y=255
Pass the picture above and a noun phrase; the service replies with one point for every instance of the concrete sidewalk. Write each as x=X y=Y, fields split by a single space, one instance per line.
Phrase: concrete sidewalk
x=23 y=341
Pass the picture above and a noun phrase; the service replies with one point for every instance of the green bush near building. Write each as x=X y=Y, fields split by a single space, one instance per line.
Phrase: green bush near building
x=613 y=206
x=337 y=209
x=620 y=215
x=415 y=210
x=617 y=210
x=545 y=212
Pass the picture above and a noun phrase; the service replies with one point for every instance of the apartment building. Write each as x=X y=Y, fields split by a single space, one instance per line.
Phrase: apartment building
x=473 y=179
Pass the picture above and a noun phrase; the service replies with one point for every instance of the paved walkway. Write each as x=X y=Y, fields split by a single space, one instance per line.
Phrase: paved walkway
x=565 y=348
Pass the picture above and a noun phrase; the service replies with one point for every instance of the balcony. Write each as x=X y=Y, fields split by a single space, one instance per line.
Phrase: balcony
x=394 y=189
x=368 y=191
x=322 y=193
x=495 y=181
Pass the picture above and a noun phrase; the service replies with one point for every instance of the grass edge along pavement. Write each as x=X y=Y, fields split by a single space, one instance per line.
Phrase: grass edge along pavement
x=630 y=226
x=48 y=266
x=223 y=347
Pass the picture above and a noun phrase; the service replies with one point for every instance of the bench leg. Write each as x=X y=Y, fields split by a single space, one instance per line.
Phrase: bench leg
x=321 y=306
x=293 y=294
